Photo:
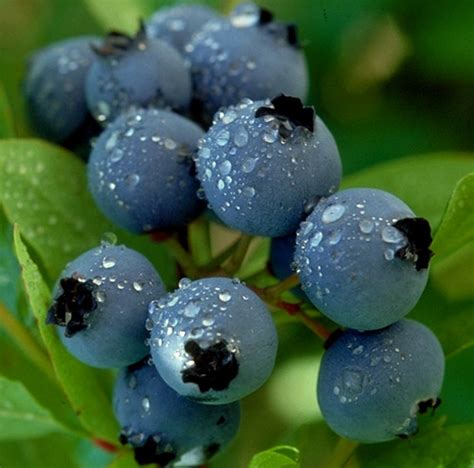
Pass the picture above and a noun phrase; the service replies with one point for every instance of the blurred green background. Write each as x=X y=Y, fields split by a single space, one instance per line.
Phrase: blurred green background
x=391 y=78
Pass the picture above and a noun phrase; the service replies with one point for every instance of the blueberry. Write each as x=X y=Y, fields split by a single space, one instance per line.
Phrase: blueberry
x=136 y=71
x=213 y=340
x=141 y=173
x=54 y=87
x=362 y=257
x=176 y=25
x=165 y=427
x=372 y=385
x=262 y=163
x=248 y=55
x=282 y=251
x=100 y=305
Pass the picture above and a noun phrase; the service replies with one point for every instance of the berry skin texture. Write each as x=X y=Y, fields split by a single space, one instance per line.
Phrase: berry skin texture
x=54 y=87
x=357 y=267
x=100 y=305
x=262 y=163
x=141 y=173
x=176 y=25
x=372 y=385
x=213 y=340
x=136 y=72
x=247 y=55
x=165 y=427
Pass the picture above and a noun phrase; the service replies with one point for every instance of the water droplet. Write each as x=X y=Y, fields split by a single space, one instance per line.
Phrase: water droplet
x=241 y=136
x=204 y=153
x=111 y=141
x=354 y=382
x=108 y=238
x=225 y=167
x=366 y=226
x=225 y=296
x=108 y=262
x=100 y=296
x=229 y=117
x=220 y=184
x=270 y=135
x=191 y=310
x=336 y=390
x=170 y=144
x=249 y=165
x=208 y=320
x=172 y=301
x=149 y=324
x=389 y=254
x=387 y=358
x=132 y=382
x=223 y=137
x=335 y=237
x=392 y=235
x=146 y=404
x=316 y=239
x=184 y=283
x=306 y=227
x=132 y=180
x=248 y=192
x=138 y=286
x=358 y=350
x=333 y=213
x=116 y=155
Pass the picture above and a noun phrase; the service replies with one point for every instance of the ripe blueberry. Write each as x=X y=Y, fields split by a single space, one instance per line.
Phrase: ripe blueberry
x=141 y=173
x=362 y=257
x=54 y=87
x=213 y=340
x=262 y=163
x=248 y=55
x=372 y=385
x=164 y=426
x=100 y=305
x=135 y=71
x=176 y=25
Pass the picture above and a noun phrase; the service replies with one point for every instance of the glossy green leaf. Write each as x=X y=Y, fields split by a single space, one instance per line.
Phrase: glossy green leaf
x=424 y=182
x=20 y=415
x=447 y=447
x=457 y=227
x=9 y=270
x=84 y=386
x=43 y=452
x=123 y=17
x=282 y=456
x=6 y=118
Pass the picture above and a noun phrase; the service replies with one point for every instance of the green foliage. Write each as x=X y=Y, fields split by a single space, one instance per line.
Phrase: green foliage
x=6 y=118
x=282 y=456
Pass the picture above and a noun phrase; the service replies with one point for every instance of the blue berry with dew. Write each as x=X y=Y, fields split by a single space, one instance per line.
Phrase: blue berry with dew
x=281 y=264
x=141 y=171
x=177 y=24
x=164 y=427
x=54 y=87
x=213 y=340
x=263 y=163
x=136 y=72
x=373 y=385
x=363 y=257
x=100 y=305
x=248 y=55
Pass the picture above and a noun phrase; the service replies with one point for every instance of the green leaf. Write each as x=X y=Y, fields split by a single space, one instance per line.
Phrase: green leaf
x=457 y=227
x=256 y=259
x=124 y=460
x=424 y=182
x=283 y=456
x=20 y=415
x=6 y=118
x=441 y=447
x=42 y=452
x=123 y=17
x=84 y=386
x=44 y=192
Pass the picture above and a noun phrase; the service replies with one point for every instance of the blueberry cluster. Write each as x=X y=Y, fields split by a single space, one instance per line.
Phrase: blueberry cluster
x=198 y=109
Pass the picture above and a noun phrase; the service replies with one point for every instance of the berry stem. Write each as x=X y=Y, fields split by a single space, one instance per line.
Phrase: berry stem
x=283 y=286
x=239 y=254
x=184 y=259
x=220 y=258
x=341 y=454
x=199 y=240
x=25 y=342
